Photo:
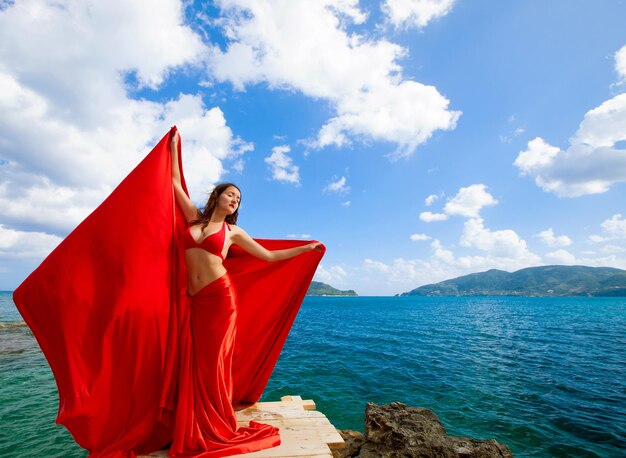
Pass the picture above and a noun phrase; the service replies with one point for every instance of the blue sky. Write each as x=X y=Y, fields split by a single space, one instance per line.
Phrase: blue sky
x=418 y=139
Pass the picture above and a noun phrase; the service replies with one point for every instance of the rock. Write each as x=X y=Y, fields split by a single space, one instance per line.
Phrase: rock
x=353 y=439
x=395 y=430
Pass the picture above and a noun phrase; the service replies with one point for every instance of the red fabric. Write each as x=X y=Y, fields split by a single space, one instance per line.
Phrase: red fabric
x=213 y=243
x=205 y=422
x=110 y=312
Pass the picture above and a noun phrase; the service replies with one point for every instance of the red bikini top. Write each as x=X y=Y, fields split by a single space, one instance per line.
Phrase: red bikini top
x=213 y=243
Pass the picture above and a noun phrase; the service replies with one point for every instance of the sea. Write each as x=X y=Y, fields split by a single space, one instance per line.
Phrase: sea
x=545 y=376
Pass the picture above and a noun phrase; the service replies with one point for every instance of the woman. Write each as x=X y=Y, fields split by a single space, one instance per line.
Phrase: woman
x=205 y=422
x=140 y=350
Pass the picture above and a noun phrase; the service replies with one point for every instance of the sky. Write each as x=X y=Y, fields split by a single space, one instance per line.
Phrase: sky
x=419 y=140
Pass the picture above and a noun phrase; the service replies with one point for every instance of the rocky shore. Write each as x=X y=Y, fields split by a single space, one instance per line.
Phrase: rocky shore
x=395 y=430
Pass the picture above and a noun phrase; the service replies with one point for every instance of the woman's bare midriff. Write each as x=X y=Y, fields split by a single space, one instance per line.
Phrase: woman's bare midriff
x=202 y=268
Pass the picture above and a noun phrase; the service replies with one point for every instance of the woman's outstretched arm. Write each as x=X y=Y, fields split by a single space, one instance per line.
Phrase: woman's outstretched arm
x=241 y=238
x=189 y=209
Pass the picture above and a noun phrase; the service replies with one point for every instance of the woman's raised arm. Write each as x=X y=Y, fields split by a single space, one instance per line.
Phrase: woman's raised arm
x=241 y=238
x=190 y=211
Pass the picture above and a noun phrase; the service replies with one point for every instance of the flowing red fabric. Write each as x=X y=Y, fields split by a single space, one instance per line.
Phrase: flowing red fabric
x=205 y=423
x=110 y=311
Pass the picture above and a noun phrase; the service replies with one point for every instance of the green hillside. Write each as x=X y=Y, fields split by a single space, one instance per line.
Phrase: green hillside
x=532 y=281
x=318 y=288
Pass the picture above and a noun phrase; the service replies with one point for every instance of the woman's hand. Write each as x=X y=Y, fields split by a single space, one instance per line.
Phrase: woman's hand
x=174 y=140
x=314 y=246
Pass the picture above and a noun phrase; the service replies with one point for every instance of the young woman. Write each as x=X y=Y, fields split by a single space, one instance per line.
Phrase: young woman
x=205 y=422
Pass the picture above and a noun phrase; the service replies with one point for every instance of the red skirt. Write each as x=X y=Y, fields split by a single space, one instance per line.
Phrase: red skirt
x=205 y=424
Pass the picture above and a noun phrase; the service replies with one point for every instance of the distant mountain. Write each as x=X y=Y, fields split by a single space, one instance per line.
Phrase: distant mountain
x=532 y=281
x=318 y=288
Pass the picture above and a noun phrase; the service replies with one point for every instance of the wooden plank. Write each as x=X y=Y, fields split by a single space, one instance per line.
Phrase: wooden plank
x=304 y=421
x=304 y=432
x=320 y=427
x=294 y=443
x=276 y=413
x=307 y=404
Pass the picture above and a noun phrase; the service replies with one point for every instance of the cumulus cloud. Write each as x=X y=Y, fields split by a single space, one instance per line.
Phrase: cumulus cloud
x=420 y=237
x=415 y=13
x=282 y=167
x=375 y=265
x=338 y=186
x=613 y=228
x=499 y=244
x=70 y=127
x=469 y=201
x=551 y=240
x=334 y=275
x=593 y=161
x=26 y=245
x=497 y=249
x=429 y=217
x=480 y=248
x=269 y=41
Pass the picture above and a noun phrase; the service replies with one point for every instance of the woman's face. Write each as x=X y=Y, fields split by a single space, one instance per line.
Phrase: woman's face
x=229 y=199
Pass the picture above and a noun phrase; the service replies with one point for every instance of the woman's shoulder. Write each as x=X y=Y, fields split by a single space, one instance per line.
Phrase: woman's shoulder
x=235 y=229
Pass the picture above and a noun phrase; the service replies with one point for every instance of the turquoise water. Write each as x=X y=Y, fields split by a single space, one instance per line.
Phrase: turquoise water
x=546 y=376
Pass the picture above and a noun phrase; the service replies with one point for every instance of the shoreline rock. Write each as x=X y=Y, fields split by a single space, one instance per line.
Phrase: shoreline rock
x=395 y=430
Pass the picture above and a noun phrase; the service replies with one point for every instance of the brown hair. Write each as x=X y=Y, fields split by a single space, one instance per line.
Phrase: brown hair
x=205 y=216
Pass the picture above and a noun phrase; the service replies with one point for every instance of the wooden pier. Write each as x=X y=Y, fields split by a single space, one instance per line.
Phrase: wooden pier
x=304 y=432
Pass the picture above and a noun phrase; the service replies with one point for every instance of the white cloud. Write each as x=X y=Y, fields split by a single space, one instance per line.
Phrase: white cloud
x=560 y=256
x=54 y=185
x=440 y=253
x=334 y=276
x=501 y=249
x=402 y=274
x=420 y=237
x=551 y=240
x=497 y=244
x=338 y=186
x=591 y=164
x=469 y=201
x=70 y=127
x=299 y=236
x=429 y=217
x=613 y=249
x=346 y=203
x=613 y=228
x=281 y=165
x=26 y=245
x=269 y=41
x=370 y=264
x=431 y=199
x=415 y=13
x=70 y=130
x=606 y=261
